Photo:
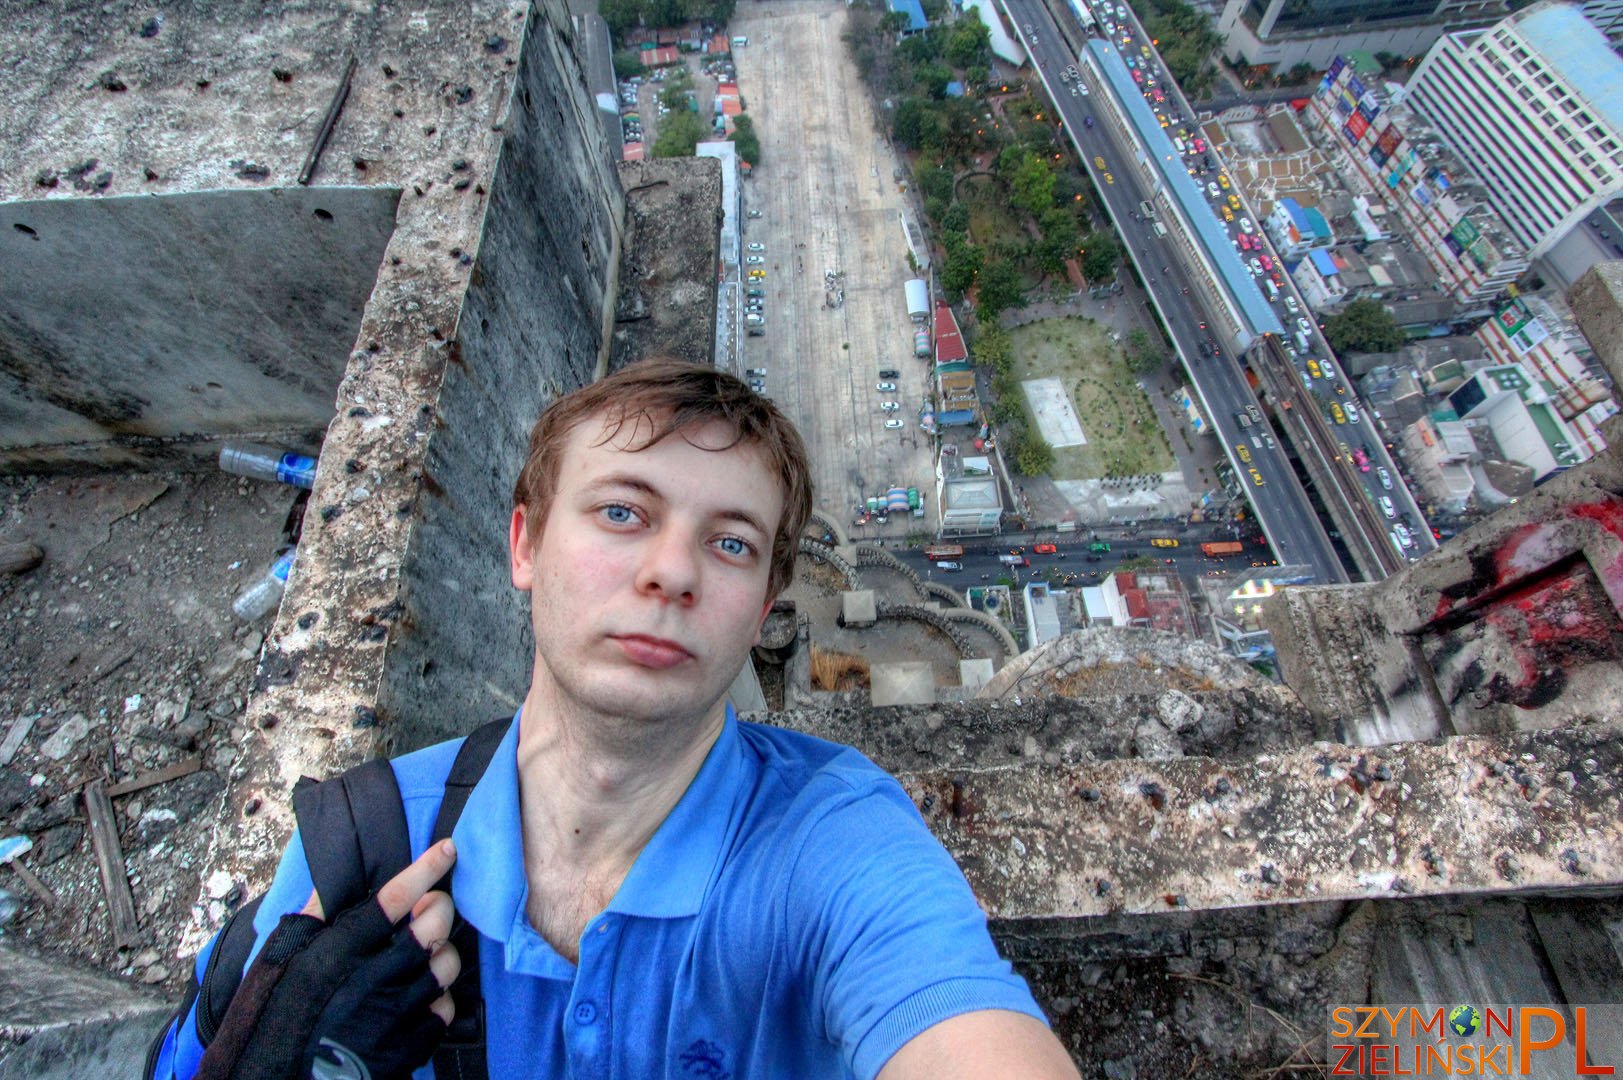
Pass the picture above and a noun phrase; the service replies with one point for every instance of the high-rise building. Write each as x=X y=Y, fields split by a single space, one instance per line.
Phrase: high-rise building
x=1284 y=33
x=1607 y=15
x=1534 y=108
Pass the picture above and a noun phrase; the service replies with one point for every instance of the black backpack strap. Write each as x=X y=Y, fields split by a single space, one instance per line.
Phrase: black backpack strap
x=461 y=1055
x=353 y=828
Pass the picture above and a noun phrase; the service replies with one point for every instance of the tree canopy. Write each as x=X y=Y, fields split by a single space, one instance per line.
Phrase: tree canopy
x=1364 y=326
x=679 y=133
x=1000 y=290
x=1100 y=256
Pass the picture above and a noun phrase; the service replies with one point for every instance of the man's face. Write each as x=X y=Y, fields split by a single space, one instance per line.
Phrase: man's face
x=648 y=581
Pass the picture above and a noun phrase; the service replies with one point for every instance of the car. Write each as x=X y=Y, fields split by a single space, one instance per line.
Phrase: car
x=1212 y=190
x=753 y=214
x=754 y=260
x=1246 y=226
x=1329 y=372
x=888 y=406
x=1099 y=163
x=757 y=372
x=1223 y=182
x=1387 y=508
x=1228 y=215
x=1138 y=77
x=757 y=247
x=1352 y=412
x=1044 y=549
x=1402 y=533
x=893 y=424
x=1255 y=414
x=888 y=373
x=1337 y=413
x=1256 y=477
x=1304 y=326
x=1163 y=542
x=1087 y=121
x=1255 y=267
x=757 y=385
x=1267 y=263
x=1109 y=179
x=886 y=388
x=1200 y=145
x=1291 y=305
x=1158 y=95
x=1242 y=452
x=757 y=274
x=1386 y=477
x=754 y=293
x=949 y=566
x=1234 y=200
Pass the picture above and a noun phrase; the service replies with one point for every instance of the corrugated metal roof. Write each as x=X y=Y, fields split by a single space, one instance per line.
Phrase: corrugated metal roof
x=1323 y=262
x=949 y=343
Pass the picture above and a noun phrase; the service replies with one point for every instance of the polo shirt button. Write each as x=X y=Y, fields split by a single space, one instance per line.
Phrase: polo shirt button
x=585 y=1013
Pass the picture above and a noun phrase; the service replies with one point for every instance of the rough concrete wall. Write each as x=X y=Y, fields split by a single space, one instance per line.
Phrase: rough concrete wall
x=666 y=301
x=140 y=328
x=530 y=329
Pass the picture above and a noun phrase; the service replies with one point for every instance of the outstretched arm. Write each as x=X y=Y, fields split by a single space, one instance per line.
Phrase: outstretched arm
x=975 y=1045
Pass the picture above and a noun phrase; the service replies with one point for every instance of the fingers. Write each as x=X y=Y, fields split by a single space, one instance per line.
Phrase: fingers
x=431 y=920
x=444 y=1008
x=446 y=964
x=406 y=888
x=312 y=906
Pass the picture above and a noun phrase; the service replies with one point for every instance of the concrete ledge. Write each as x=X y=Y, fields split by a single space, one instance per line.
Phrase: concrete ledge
x=38 y=996
x=1536 y=813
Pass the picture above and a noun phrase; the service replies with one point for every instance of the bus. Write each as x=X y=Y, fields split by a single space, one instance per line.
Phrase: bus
x=937 y=552
x=1226 y=547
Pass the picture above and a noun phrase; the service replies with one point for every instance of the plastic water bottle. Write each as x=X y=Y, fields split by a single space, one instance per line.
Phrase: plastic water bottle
x=263 y=595
x=268 y=463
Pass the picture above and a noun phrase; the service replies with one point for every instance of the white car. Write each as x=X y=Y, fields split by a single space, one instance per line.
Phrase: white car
x=1291 y=305
x=1349 y=407
x=755 y=260
x=1246 y=226
x=1213 y=190
x=893 y=424
x=1386 y=477
x=753 y=214
x=1386 y=506
x=1402 y=536
x=886 y=388
x=888 y=406
x=1329 y=372
x=757 y=247
x=1304 y=326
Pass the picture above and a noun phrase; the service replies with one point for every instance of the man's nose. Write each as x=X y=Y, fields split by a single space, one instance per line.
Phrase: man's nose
x=670 y=566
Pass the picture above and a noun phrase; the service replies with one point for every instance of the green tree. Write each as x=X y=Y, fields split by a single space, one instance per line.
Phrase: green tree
x=917 y=125
x=679 y=133
x=994 y=349
x=745 y=140
x=976 y=76
x=1364 y=326
x=1100 y=256
x=956 y=218
x=1033 y=185
x=1032 y=454
x=935 y=182
x=1144 y=355
x=1009 y=160
x=1061 y=238
x=621 y=15
x=894 y=22
x=963 y=263
x=628 y=63
x=969 y=43
x=1000 y=290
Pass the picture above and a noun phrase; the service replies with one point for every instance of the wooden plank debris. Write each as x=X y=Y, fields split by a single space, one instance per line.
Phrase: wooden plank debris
x=115 y=883
x=151 y=779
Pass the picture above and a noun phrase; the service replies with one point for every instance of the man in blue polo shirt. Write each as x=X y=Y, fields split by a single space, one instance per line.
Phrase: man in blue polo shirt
x=659 y=889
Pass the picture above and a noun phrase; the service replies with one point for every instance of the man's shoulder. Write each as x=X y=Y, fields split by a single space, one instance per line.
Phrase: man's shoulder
x=799 y=761
x=422 y=773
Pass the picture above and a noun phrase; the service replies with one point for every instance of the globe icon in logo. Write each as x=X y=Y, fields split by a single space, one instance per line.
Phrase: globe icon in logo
x=1464 y=1020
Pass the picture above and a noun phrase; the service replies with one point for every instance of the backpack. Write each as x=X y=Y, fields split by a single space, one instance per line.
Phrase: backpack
x=353 y=830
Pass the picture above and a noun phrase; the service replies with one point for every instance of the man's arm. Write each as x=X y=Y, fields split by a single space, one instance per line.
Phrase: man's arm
x=975 y=1045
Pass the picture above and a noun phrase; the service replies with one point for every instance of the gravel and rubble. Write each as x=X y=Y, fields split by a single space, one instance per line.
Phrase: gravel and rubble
x=120 y=658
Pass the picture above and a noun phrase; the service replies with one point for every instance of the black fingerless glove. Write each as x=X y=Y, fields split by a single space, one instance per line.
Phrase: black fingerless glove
x=346 y=1001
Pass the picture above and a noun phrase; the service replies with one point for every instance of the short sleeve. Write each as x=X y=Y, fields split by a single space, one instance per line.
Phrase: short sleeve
x=891 y=937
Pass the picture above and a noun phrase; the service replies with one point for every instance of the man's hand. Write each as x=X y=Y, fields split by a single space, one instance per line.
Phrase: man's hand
x=362 y=997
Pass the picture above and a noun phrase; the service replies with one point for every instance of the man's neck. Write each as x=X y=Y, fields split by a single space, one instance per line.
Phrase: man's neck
x=594 y=789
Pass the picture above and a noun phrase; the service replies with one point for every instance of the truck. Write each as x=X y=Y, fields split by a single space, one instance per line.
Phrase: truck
x=1079 y=8
x=937 y=552
x=1221 y=547
x=1014 y=560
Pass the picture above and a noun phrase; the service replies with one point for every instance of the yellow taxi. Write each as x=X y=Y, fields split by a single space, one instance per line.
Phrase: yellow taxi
x=1099 y=163
x=1163 y=541
x=1338 y=412
x=1256 y=478
x=1228 y=215
x=1313 y=367
x=1234 y=202
x=1109 y=179
x=1242 y=452
x=1223 y=181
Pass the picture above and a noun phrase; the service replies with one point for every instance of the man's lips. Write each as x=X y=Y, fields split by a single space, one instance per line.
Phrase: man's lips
x=651 y=652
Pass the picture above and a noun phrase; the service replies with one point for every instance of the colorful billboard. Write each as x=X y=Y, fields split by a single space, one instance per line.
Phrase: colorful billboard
x=1357 y=125
x=1389 y=140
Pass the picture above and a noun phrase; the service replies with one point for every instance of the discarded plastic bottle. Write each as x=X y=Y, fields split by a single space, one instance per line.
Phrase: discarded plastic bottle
x=9 y=906
x=263 y=595
x=267 y=463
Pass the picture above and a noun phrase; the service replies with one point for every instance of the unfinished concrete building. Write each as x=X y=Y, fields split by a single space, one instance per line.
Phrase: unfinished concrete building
x=390 y=236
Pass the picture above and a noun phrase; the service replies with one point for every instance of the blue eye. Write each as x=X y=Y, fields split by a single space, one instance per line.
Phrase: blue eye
x=619 y=515
x=732 y=545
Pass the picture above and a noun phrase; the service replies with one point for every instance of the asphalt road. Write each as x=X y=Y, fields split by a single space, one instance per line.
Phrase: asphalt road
x=1283 y=507
x=981 y=562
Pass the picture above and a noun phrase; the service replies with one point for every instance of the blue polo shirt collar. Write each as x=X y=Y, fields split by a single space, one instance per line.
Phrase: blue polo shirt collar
x=669 y=878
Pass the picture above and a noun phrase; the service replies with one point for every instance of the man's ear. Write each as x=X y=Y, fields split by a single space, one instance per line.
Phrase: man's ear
x=766 y=609
x=521 y=552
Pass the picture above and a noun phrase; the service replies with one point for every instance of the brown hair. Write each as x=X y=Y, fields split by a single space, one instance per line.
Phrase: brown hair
x=667 y=396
